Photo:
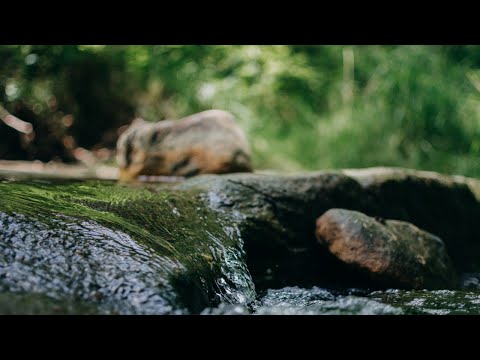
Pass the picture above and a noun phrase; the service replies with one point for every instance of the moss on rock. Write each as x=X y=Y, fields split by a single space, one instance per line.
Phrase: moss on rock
x=127 y=248
x=179 y=248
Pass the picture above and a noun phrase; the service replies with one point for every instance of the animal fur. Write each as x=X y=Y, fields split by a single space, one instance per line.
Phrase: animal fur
x=206 y=142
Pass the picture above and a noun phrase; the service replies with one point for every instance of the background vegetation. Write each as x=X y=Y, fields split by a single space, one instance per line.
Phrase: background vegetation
x=303 y=107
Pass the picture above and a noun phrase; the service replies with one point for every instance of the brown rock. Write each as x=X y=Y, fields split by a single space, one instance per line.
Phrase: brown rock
x=395 y=253
x=444 y=205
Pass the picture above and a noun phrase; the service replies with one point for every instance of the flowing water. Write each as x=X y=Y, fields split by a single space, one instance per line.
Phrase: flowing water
x=318 y=301
x=93 y=247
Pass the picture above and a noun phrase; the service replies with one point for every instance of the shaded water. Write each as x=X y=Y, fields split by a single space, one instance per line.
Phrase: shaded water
x=95 y=247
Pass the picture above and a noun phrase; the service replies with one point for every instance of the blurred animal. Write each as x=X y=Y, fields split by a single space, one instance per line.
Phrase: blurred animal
x=206 y=142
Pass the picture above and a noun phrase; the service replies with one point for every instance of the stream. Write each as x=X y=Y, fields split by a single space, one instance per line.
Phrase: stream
x=96 y=247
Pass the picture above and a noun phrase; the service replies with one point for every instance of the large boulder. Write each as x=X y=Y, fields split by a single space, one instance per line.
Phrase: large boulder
x=395 y=253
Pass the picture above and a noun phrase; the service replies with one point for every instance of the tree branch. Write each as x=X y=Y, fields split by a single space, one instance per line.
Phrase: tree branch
x=14 y=122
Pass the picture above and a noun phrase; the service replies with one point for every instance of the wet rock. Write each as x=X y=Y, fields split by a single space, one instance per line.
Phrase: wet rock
x=92 y=247
x=86 y=262
x=447 y=206
x=395 y=253
x=275 y=215
x=471 y=281
x=181 y=248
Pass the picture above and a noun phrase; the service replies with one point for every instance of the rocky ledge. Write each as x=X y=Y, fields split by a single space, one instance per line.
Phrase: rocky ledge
x=100 y=247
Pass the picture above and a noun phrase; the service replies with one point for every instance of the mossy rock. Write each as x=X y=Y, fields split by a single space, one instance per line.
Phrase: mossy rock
x=180 y=248
x=126 y=250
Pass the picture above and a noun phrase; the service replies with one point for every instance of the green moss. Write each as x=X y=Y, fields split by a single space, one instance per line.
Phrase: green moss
x=69 y=239
x=175 y=224
x=156 y=216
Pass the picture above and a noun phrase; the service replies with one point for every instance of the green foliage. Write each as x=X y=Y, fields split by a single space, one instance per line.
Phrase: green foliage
x=303 y=107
